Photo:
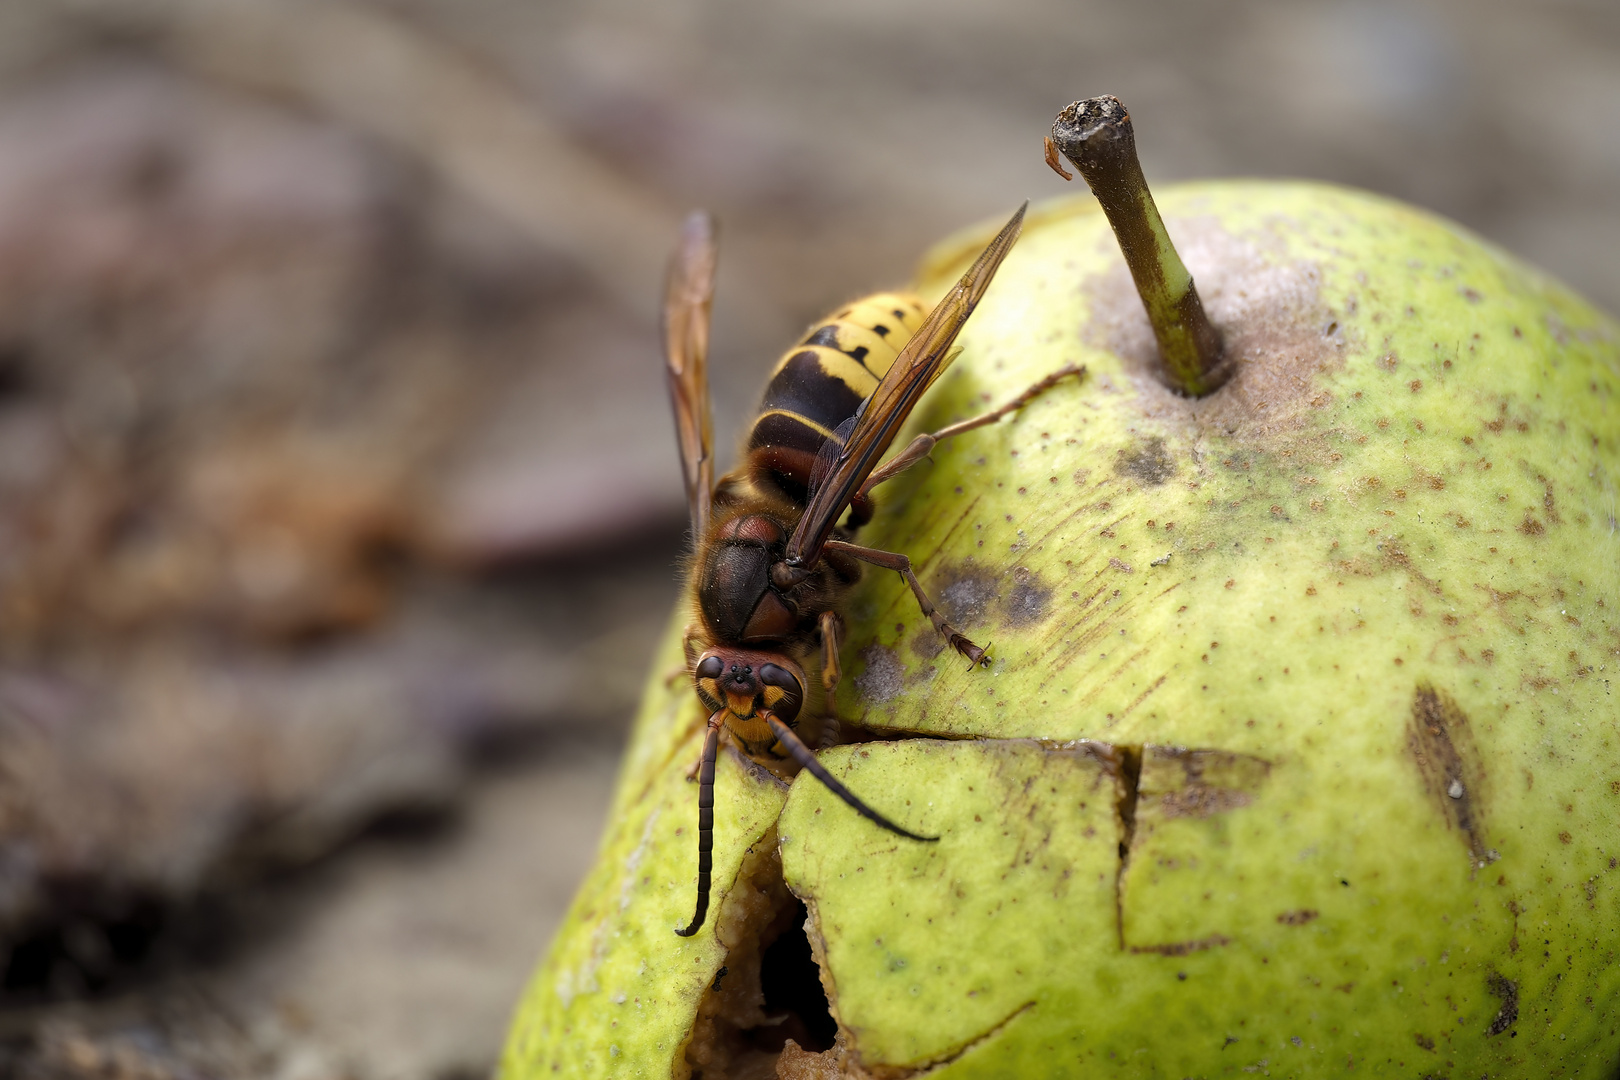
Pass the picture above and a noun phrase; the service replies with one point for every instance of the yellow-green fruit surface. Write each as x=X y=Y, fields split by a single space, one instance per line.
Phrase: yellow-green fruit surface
x=1298 y=754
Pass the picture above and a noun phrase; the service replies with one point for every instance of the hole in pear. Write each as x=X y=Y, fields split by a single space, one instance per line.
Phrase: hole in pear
x=791 y=980
x=768 y=990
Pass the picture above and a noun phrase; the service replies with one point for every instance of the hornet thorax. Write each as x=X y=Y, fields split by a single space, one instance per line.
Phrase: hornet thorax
x=738 y=601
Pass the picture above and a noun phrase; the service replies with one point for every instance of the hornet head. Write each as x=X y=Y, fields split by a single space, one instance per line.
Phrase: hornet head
x=749 y=681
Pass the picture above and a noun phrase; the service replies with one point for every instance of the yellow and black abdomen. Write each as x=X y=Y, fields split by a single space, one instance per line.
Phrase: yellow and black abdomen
x=821 y=381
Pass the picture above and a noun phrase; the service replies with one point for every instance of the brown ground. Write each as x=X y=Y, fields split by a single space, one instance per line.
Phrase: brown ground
x=338 y=509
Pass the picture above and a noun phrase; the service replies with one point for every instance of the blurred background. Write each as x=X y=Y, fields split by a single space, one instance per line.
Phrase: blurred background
x=335 y=467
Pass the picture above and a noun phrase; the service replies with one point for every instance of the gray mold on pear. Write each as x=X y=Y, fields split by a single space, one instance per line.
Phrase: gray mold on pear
x=1299 y=751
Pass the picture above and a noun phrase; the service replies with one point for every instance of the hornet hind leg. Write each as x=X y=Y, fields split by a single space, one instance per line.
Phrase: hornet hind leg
x=923 y=445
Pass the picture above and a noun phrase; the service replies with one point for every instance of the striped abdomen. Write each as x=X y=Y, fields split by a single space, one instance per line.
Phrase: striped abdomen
x=821 y=381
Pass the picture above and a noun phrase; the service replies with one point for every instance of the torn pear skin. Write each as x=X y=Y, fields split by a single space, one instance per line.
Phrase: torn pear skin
x=1398 y=510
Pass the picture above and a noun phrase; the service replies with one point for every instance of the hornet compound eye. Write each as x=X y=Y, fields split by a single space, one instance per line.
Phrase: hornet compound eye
x=788 y=695
x=710 y=668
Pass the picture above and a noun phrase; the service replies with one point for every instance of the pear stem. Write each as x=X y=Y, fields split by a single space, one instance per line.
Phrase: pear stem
x=1096 y=136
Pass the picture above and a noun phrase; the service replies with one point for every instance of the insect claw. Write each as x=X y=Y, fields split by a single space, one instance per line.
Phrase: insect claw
x=975 y=655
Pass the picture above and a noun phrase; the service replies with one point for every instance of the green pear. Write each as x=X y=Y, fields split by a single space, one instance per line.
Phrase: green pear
x=1299 y=751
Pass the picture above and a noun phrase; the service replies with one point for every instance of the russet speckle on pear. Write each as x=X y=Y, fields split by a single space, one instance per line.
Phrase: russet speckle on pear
x=1299 y=747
